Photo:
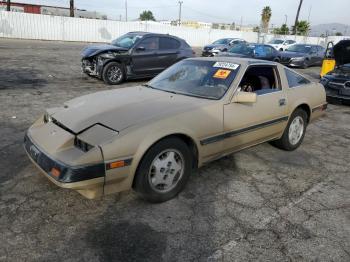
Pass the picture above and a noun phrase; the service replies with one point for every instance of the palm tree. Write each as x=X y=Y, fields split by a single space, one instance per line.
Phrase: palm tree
x=265 y=18
x=297 y=18
x=303 y=27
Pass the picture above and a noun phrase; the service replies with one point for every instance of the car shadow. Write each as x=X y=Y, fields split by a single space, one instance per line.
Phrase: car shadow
x=135 y=230
x=21 y=78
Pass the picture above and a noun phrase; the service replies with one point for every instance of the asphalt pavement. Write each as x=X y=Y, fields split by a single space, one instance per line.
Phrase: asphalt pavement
x=261 y=204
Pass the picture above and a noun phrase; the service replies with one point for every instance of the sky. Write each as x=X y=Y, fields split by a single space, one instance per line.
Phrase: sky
x=322 y=11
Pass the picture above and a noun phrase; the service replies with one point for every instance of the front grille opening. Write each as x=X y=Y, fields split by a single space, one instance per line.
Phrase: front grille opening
x=83 y=146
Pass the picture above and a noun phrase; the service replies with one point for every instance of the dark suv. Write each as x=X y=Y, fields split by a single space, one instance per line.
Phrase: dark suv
x=134 y=55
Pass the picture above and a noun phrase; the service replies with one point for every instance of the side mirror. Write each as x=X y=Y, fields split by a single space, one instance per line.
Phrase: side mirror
x=244 y=97
x=140 y=48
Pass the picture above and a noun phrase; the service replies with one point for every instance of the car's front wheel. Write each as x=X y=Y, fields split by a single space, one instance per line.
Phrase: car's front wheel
x=113 y=73
x=305 y=64
x=164 y=170
x=294 y=133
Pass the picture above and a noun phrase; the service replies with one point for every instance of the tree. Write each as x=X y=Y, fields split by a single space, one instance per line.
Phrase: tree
x=265 y=18
x=338 y=34
x=147 y=16
x=302 y=28
x=256 y=29
x=297 y=18
x=283 y=30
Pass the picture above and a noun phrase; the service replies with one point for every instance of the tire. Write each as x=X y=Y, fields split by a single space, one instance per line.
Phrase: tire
x=281 y=49
x=155 y=179
x=286 y=142
x=305 y=64
x=277 y=60
x=115 y=78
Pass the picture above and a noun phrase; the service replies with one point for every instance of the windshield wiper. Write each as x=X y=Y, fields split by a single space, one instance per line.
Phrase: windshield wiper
x=169 y=91
x=149 y=86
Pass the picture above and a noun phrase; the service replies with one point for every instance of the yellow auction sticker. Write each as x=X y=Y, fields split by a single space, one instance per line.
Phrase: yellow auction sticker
x=222 y=73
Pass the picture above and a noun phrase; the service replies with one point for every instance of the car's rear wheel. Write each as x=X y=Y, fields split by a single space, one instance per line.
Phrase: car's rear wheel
x=113 y=73
x=294 y=133
x=164 y=170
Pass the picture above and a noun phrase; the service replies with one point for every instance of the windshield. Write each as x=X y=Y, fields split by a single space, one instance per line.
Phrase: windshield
x=242 y=49
x=276 y=42
x=205 y=79
x=223 y=41
x=126 y=41
x=299 y=48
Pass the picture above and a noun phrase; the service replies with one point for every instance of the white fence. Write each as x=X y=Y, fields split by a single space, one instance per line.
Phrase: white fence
x=46 y=27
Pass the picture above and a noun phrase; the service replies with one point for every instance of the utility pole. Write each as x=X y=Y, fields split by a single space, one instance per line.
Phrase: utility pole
x=180 y=5
x=240 y=27
x=71 y=8
x=126 y=10
x=285 y=22
x=8 y=5
x=308 y=18
x=297 y=17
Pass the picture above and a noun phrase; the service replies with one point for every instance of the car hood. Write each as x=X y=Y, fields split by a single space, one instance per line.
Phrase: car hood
x=214 y=46
x=93 y=50
x=122 y=108
x=341 y=52
x=292 y=54
x=233 y=54
x=275 y=45
x=341 y=72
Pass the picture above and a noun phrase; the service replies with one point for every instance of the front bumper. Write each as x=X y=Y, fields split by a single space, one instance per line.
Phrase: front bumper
x=341 y=95
x=92 y=66
x=208 y=53
x=292 y=63
x=67 y=174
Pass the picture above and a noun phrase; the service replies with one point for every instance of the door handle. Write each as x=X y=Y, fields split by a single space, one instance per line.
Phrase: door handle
x=282 y=102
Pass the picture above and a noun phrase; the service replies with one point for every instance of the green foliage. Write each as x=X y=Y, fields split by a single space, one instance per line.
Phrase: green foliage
x=147 y=16
x=303 y=27
x=283 y=30
x=265 y=18
x=256 y=29
x=338 y=34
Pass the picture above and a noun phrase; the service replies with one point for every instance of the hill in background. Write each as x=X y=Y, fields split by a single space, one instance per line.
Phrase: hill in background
x=330 y=29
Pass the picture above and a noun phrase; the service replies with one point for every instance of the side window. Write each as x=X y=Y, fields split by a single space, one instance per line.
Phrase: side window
x=314 y=49
x=268 y=50
x=295 y=79
x=260 y=51
x=321 y=49
x=168 y=43
x=150 y=43
x=260 y=80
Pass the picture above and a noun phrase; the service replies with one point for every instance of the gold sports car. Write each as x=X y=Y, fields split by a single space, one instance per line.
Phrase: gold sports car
x=151 y=137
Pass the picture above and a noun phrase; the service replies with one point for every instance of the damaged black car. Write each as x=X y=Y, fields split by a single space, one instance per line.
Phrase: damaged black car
x=337 y=82
x=134 y=55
